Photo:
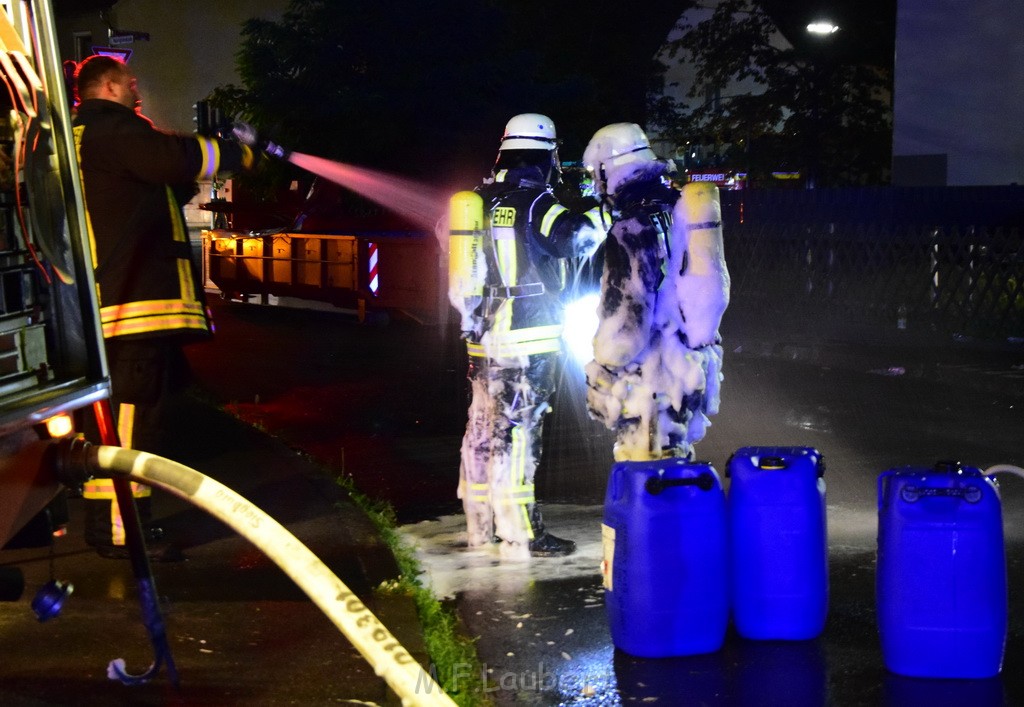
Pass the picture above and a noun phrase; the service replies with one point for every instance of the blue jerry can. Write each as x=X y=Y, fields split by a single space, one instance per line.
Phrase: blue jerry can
x=664 y=561
x=941 y=578
x=778 y=542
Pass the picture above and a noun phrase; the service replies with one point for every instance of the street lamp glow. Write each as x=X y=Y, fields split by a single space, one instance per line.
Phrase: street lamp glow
x=822 y=27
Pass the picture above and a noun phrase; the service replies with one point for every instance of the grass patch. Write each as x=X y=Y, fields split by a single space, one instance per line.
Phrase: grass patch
x=451 y=653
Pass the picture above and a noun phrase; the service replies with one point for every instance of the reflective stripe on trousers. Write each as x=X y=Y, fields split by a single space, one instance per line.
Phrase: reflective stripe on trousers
x=103 y=489
x=502 y=447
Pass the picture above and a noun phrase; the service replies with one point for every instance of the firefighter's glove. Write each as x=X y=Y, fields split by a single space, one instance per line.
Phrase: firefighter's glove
x=245 y=133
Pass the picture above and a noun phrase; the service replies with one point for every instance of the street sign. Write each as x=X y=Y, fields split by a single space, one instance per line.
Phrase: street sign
x=124 y=36
x=115 y=52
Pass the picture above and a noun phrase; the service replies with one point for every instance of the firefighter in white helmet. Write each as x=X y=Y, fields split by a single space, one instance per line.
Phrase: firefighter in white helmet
x=665 y=286
x=512 y=325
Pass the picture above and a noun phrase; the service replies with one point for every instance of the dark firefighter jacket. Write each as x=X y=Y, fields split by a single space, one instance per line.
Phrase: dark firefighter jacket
x=636 y=262
x=530 y=235
x=637 y=253
x=135 y=179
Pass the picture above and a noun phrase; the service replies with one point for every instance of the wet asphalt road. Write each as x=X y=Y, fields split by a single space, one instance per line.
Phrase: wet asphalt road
x=385 y=405
x=863 y=423
x=394 y=422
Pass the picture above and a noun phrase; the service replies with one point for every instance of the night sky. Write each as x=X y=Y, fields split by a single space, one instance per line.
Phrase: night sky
x=867 y=27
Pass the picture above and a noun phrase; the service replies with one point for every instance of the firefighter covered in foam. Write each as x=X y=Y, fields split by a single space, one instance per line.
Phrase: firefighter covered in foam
x=509 y=241
x=657 y=362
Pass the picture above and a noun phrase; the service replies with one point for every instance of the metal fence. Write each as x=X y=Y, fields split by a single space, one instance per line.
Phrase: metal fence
x=880 y=262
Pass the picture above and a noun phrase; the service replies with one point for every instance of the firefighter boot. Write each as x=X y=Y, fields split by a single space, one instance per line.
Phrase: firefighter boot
x=544 y=544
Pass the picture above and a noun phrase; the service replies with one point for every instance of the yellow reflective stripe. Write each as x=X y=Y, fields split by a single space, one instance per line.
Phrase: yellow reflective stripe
x=519 y=455
x=548 y=221
x=180 y=234
x=103 y=489
x=520 y=342
x=151 y=315
x=508 y=269
x=533 y=333
x=125 y=424
x=99 y=496
x=156 y=323
x=526 y=334
x=98 y=488
x=79 y=130
x=185 y=281
x=479 y=492
x=147 y=308
x=248 y=157
x=211 y=158
x=507 y=350
x=594 y=216
x=204 y=166
x=178 y=231
x=514 y=500
x=520 y=493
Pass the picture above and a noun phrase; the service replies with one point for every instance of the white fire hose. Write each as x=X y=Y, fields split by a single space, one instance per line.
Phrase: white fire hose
x=1004 y=468
x=414 y=685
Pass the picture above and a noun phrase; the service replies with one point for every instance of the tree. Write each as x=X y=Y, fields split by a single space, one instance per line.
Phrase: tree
x=828 y=118
x=414 y=87
x=382 y=84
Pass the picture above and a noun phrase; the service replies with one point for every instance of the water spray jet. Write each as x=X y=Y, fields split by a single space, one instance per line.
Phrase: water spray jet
x=422 y=204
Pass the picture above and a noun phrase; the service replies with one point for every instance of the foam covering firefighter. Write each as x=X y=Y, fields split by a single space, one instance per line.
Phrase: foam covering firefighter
x=136 y=179
x=510 y=239
x=657 y=361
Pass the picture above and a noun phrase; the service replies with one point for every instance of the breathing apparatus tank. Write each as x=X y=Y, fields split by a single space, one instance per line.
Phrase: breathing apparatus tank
x=703 y=289
x=467 y=268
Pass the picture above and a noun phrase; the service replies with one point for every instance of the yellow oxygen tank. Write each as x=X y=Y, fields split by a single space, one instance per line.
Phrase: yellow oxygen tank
x=703 y=289
x=467 y=268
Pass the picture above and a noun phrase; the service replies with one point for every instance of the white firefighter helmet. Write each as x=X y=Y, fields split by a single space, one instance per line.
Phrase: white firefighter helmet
x=529 y=131
x=614 y=152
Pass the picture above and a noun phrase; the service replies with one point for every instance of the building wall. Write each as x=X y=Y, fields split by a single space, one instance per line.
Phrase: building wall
x=958 y=84
x=680 y=75
x=191 y=49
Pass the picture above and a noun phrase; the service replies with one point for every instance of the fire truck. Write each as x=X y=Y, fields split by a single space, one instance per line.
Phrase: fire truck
x=339 y=249
x=51 y=347
x=52 y=365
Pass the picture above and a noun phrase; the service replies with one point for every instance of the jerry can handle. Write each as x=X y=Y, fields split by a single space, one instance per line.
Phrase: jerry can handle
x=970 y=493
x=882 y=483
x=656 y=484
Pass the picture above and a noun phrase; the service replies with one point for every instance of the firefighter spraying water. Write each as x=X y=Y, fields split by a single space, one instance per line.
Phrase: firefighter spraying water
x=509 y=245
x=51 y=313
x=510 y=239
x=657 y=357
